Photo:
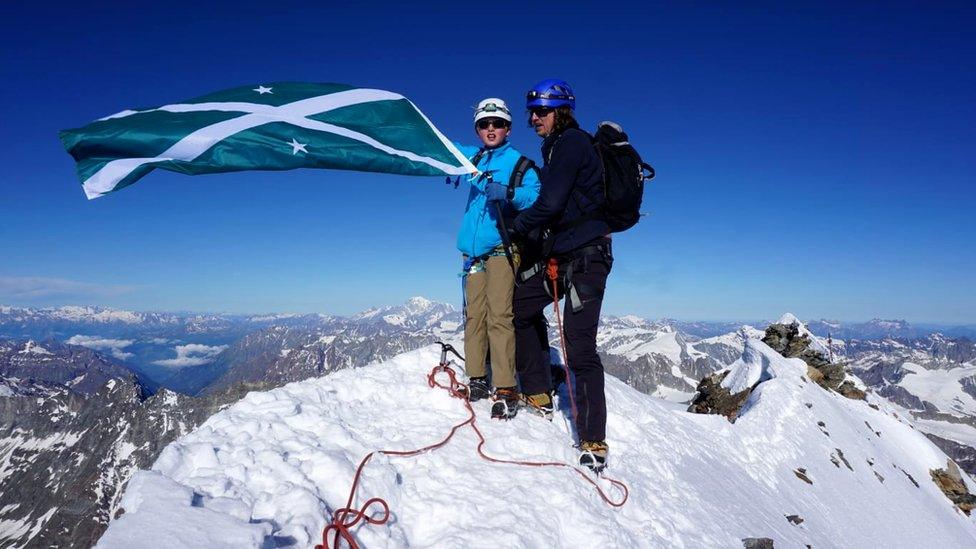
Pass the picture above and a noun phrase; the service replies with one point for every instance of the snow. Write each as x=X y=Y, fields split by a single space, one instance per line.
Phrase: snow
x=185 y=522
x=632 y=343
x=942 y=388
x=25 y=528
x=736 y=338
x=664 y=343
x=418 y=304
x=395 y=320
x=31 y=348
x=756 y=365
x=91 y=314
x=787 y=319
x=271 y=318
x=672 y=395
x=633 y=320
x=278 y=462
x=960 y=432
x=448 y=326
x=6 y=391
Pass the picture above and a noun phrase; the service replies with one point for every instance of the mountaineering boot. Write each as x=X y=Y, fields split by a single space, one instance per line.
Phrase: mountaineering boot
x=478 y=388
x=593 y=455
x=506 y=403
x=540 y=404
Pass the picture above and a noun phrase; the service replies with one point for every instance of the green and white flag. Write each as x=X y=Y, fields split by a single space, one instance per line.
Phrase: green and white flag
x=279 y=126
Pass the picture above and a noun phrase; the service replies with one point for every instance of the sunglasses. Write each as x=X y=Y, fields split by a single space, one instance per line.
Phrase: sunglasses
x=498 y=123
x=540 y=95
x=541 y=112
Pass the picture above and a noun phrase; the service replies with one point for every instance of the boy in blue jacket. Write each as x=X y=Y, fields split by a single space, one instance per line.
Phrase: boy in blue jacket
x=489 y=283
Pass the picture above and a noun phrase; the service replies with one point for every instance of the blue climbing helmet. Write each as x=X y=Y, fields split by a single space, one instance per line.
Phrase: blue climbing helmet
x=550 y=93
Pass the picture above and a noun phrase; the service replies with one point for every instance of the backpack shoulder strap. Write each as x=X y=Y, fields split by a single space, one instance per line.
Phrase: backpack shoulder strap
x=522 y=167
x=477 y=157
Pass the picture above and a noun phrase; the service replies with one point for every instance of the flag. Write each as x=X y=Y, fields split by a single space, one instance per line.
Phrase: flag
x=278 y=126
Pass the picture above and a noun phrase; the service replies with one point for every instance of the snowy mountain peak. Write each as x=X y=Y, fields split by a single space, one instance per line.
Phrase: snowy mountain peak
x=418 y=304
x=32 y=348
x=95 y=314
x=632 y=320
x=276 y=464
x=788 y=319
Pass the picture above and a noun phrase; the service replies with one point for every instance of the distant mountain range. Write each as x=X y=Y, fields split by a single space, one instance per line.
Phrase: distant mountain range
x=87 y=394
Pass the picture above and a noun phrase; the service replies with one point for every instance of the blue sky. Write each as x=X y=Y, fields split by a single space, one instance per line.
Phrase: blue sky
x=814 y=159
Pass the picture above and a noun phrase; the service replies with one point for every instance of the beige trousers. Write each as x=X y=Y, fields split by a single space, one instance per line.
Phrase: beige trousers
x=488 y=322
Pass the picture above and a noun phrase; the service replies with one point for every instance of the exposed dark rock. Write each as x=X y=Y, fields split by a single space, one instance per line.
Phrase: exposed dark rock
x=910 y=477
x=801 y=474
x=712 y=398
x=850 y=391
x=840 y=454
x=787 y=340
x=794 y=519
x=949 y=480
x=85 y=371
x=648 y=372
x=964 y=456
x=757 y=543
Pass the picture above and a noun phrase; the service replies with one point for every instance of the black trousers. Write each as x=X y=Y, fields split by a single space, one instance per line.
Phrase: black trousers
x=589 y=277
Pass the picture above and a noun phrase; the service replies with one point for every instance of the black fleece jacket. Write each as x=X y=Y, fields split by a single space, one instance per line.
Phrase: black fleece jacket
x=571 y=187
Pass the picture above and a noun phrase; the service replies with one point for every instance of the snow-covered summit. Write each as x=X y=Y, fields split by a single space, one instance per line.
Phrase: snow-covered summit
x=270 y=469
x=32 y=348
x=816 y=342
x=788 y=319
x=417 y=312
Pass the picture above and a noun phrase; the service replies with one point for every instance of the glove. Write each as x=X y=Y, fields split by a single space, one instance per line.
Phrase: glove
x=496 y=192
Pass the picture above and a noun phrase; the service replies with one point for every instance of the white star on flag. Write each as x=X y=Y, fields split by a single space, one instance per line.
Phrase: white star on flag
x=296 y=146
x=263 y=90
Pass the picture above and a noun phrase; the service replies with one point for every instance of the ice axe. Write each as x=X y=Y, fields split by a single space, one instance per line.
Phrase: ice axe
x=503 y=230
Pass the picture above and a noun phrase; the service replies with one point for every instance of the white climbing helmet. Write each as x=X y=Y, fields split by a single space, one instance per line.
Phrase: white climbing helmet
x=492 y=107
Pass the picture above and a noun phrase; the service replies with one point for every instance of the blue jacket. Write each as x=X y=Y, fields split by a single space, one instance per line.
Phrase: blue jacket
x=479 y=226
x=572 y=188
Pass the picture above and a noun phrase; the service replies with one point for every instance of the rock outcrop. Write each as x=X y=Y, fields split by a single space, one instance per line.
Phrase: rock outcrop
x=789 y=341
x=712 y=398
x=949 y=480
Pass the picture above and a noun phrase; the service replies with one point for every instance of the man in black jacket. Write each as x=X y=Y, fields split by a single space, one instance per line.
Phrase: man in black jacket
x=576 y=236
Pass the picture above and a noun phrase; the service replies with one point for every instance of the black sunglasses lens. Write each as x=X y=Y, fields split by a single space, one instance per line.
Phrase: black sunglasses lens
x=541 y=112
x=485 y=122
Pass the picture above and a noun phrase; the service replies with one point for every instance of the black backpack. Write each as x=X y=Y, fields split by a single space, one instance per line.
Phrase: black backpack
x=623 y=176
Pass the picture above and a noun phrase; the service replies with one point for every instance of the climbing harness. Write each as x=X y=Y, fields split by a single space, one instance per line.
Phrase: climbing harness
x=345 y=518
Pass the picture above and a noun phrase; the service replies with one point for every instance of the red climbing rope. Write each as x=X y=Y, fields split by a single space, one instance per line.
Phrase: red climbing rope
x=552 y=269
x=345 y=518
